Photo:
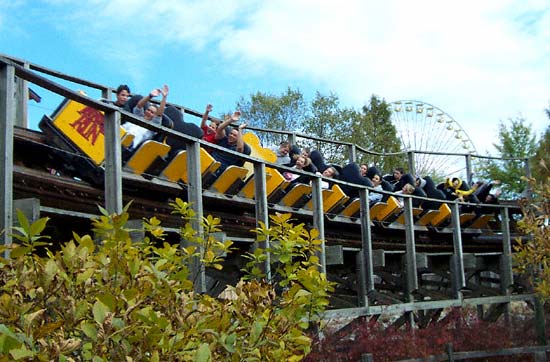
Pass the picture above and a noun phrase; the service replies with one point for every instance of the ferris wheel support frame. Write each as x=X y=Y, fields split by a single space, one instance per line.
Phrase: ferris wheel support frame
x=417 y=124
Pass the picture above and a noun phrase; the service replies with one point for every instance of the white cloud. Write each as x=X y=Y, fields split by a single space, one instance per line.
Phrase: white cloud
x=474 y=60
x=481 y=62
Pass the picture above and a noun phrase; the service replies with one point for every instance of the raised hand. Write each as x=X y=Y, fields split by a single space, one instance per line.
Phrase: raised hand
x=164 y=90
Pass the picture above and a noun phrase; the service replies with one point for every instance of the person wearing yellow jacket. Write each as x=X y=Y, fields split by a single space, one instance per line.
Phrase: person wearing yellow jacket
x=455 y=188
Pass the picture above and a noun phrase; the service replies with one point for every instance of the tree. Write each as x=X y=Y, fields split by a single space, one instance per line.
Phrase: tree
x=532 y=254
x=541 y=159
x=373 y=131
x=517 y=142
x=285 y=112
x=325 y=118
x=330 y=122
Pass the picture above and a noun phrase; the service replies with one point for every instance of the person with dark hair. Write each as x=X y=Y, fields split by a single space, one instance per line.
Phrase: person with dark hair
x=364 y=168
x=386 y=185
x=352 y=173
x=319 y=161
x=230 y=138
x=282 y=152
x=487 y=195
x=151 y=113
x=122 y=94
x=395 y=177
x=455 y=188
x=209 y=130
x=375 y=197
x=329 y=172
x=294 y=153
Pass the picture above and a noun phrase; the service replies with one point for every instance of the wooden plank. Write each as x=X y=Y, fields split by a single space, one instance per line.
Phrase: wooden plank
x=144 y=156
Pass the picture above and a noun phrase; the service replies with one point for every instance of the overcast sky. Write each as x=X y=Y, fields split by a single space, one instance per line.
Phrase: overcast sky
x=481 y=62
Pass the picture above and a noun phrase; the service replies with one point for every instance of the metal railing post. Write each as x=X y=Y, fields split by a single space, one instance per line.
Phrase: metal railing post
x=7 y=116
x=469 y=173
x=527 y=167
x=292 y=138
x=22 y=92
x=459 y=279
x=352 y=153
x=113 y=163
x=106 y=93
x=507 y=278
x=367 y=266
x=318 y=218
x=412 y=166
x=262 y=210
x=194 y=196
x=412 y=277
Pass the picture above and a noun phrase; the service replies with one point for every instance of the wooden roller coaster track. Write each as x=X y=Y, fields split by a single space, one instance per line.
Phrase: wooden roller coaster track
x=383 y=259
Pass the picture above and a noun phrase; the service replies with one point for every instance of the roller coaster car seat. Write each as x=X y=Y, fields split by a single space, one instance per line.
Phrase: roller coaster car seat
x=69 y=155
x=181 y=126
x=386 y=186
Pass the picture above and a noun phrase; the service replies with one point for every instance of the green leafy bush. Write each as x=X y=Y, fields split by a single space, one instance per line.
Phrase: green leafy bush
x=118 y=300
x=532 y=254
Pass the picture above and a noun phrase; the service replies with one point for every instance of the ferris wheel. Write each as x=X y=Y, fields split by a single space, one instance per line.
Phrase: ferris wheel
x=423 y=127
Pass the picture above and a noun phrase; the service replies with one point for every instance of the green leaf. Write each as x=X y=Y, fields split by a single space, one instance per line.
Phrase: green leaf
x=19 y=251
x=21 y=353
x=109 y=300
x=82 y=277
x=39 y=225
x=203 y=354
x=229 y=342
x=100 y=311
x=8 y=339
x=23 y=221
x=89 y=330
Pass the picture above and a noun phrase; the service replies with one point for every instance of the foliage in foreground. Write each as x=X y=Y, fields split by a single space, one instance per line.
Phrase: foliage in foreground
x=119 y=300
x=532 y=255
x=461 y=327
